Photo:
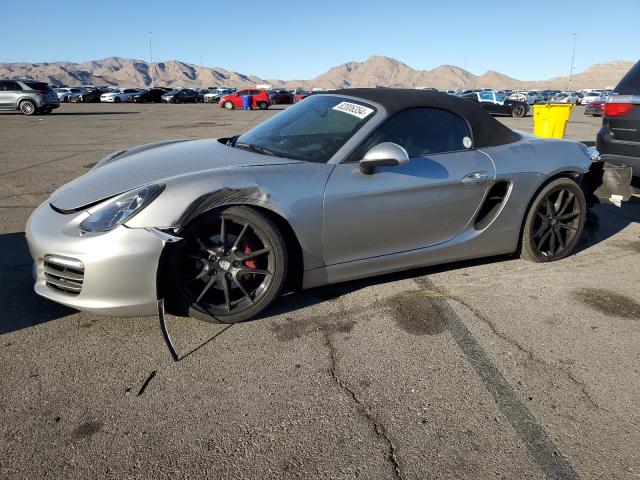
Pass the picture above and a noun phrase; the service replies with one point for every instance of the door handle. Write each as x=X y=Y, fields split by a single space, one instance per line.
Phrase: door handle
x=476 y=178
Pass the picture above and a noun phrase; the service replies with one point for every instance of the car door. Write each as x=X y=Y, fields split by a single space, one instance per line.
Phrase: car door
x=236 y=98
x=402 y=208
x=488 y=102
x=4 y=95
x=9 y=93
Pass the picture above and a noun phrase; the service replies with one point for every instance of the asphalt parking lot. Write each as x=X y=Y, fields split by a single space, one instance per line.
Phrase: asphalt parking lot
x=496 y=368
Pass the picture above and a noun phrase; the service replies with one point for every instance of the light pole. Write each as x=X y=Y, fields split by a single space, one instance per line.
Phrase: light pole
x=573 y=56
x=202 y=76
x=150 y=60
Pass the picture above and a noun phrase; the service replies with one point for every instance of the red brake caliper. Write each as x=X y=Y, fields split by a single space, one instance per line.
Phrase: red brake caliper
x=247 y=249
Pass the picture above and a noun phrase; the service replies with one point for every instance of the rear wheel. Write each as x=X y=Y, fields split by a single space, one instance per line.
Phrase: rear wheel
x=518 y=111
x=230 y=266
x=27 y=107
x=228 y=105
x=263 y=105
x=554 y=222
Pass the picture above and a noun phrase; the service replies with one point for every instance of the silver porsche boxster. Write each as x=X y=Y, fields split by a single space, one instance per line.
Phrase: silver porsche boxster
x=342 y=185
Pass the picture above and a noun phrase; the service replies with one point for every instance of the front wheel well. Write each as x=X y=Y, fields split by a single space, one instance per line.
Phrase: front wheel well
x=293 y=280
x=295 y=268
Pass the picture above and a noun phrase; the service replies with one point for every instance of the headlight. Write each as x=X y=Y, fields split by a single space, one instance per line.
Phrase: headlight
x=118 y=210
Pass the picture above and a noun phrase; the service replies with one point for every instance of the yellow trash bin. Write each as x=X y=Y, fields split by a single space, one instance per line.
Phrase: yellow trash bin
x=550 y=119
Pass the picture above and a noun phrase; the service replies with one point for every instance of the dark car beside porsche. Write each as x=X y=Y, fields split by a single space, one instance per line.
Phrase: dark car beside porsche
x=618 y=140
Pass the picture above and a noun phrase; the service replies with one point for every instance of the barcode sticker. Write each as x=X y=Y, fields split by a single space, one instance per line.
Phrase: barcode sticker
x=354 y=109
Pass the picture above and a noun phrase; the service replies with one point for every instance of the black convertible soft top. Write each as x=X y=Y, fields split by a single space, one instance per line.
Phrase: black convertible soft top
x=487 y=131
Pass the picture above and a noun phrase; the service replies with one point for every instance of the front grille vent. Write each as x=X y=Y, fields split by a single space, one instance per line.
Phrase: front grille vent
x=63 y=274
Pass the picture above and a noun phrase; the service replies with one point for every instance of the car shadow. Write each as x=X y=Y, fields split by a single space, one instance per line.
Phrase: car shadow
x=19 y=304
x=294 y=301
x=606 y=220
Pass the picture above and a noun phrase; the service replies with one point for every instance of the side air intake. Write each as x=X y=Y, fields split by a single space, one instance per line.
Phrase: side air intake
x=492 y=204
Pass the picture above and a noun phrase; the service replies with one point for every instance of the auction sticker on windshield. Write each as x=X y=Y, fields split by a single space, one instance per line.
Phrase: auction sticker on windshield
x=353 y=109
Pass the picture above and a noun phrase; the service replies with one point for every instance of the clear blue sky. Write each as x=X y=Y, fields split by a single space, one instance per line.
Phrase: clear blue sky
x=528 y=40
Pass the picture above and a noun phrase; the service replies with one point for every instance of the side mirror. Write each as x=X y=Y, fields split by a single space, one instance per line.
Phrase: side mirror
x=384 y=154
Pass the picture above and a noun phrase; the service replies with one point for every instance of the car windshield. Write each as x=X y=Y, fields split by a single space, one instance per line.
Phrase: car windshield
x=312 y=130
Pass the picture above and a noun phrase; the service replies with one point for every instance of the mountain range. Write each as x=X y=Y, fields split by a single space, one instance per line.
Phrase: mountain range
x=375 y=71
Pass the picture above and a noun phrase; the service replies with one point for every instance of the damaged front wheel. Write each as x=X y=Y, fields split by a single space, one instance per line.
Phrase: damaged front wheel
x=231 y=265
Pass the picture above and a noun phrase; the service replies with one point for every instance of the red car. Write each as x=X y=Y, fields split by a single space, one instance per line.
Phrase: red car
x=595 y=108
x=259 y=99
x=300 y=96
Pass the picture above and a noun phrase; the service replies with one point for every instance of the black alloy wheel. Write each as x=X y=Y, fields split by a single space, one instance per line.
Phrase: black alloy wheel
x=555 y=222
x=229 y=267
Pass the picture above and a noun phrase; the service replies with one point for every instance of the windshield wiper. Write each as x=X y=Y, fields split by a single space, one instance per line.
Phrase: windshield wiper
x=255 y=148
x=232 y=141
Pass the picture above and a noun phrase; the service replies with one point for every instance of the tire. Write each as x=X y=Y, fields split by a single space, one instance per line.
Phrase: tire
x=228 y=105
x=518 y=111
x=551 y=232
x=65 y=99
x=27 y=107
x=263 y=105
x=251 y=242
x=117 y=100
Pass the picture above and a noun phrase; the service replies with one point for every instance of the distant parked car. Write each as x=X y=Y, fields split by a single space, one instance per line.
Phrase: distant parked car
x=300 y=95
x=497 y=104
x=181 y=95
x=566 y=97
x=89 y=95
x=280 y=97
x=595 y=108
x=530 y=98
x=28 y=96
x=215 y=95
x=201 y=93
x=153 y=95
x=64 y=93
x=592 y=97
x=119 y=95
x=259 y=99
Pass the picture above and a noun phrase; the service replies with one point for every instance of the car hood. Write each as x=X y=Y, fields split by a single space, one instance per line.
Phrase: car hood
x=154 y=164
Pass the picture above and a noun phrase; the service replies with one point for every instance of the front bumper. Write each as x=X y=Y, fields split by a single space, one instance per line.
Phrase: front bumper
x=120 y=266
